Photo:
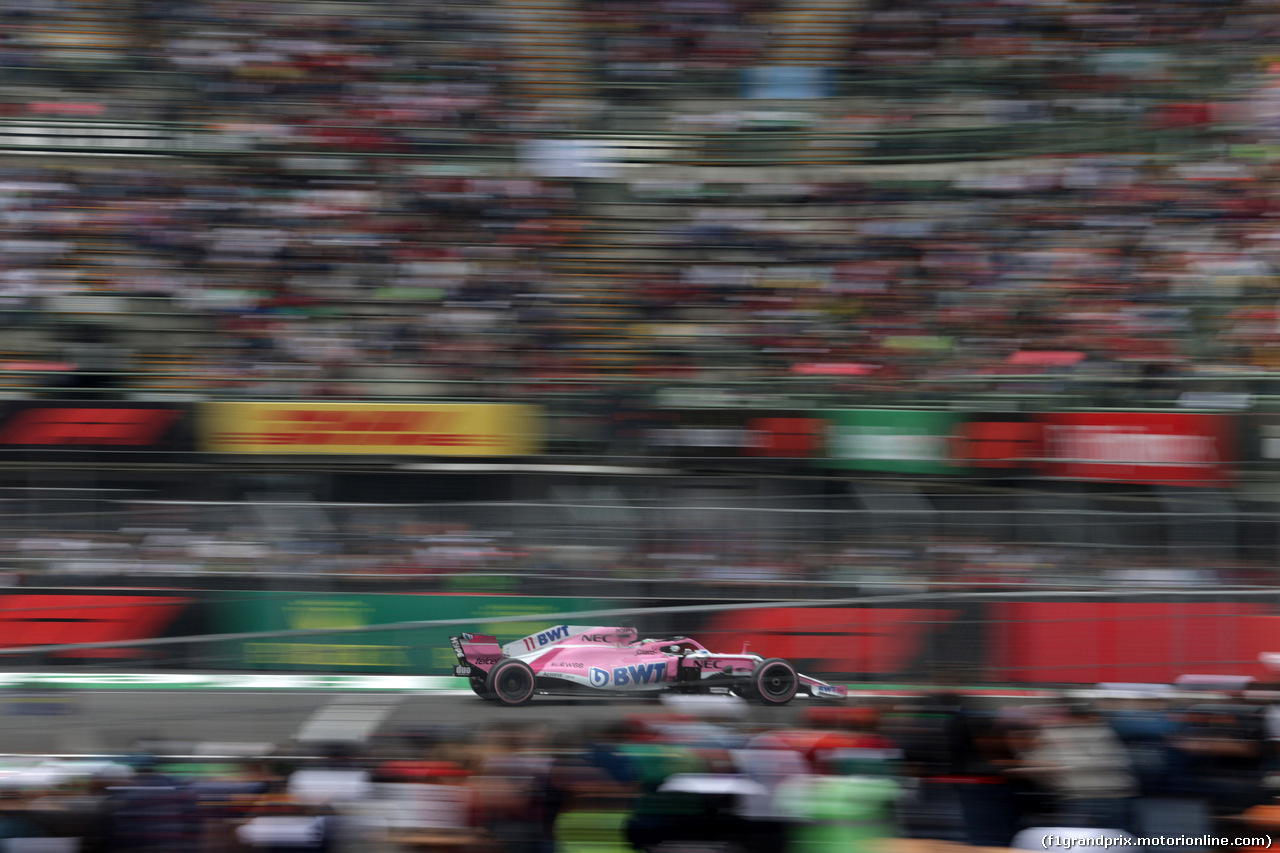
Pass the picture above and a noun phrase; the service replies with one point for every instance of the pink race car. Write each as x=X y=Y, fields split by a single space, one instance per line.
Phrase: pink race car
x=571 y=659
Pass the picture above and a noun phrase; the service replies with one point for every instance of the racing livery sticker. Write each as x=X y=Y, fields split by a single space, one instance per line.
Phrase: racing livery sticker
x=624 y=676
x=642 y=673
x=537 y=641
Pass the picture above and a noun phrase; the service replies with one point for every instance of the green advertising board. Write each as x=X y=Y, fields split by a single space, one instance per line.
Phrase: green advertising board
x=910 y=441
x=410 y=650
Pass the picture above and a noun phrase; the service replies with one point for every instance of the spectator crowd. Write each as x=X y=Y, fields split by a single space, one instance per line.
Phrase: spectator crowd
x=361 y=221
x=944 y=767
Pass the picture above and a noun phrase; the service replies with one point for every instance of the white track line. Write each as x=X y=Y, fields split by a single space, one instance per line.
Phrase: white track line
x=347 y=719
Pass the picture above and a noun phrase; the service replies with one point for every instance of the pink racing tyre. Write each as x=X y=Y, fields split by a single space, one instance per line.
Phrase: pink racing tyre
x=510 y=682
x=774 y=682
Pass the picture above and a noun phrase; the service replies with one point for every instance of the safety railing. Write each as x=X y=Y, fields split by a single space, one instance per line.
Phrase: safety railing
x=1218 y=391
x=961 y=533
x=741 y=148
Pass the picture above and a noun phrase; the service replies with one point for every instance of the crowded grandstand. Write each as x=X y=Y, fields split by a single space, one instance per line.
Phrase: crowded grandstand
x=932 y=345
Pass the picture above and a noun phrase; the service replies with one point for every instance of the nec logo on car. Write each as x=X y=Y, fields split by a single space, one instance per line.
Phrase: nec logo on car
x=645 y=673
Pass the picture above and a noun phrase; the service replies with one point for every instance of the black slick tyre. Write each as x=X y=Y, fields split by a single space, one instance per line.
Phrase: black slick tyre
x=774 y=682
x=510 y=682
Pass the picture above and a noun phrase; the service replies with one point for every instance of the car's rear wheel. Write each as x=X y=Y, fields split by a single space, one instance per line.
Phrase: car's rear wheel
x=510 y=682
x=774 y=682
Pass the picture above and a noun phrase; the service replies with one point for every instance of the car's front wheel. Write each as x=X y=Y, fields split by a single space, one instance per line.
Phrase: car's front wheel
x=774 y=682
x=510 y=682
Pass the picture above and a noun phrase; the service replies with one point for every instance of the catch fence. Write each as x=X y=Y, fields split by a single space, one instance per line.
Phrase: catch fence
x=873 y=532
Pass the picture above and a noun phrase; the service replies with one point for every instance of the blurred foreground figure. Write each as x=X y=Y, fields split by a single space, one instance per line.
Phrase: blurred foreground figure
x=838 y=813
x=1082 y=763
x=154 y=811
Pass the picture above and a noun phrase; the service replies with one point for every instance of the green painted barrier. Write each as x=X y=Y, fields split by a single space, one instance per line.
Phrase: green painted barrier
x=411 y=650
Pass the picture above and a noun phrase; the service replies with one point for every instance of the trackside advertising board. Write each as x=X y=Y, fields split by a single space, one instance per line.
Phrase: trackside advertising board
x=1027 y=640
x=417 y=650
x=1011 y=641
x=70 y=616
x=905 y=440
x=384 y=429
x=734 y=434
x=97 y=426
x=1128 y=641
x=1156 y=448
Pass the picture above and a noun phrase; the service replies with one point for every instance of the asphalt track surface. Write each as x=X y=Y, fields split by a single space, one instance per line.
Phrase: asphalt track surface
x=96 y=721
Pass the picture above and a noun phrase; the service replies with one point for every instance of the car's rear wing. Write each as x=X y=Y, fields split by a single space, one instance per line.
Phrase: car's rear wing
x=475 y=652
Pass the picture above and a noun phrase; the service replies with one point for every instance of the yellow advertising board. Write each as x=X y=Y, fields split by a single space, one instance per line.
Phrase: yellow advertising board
x=383 y=429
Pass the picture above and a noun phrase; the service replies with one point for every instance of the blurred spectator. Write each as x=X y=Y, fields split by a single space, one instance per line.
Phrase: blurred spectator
x=1082 y=763
x=153 y=811
x=463 y=276
x=542 y=789
x=1225 y=753
x=839 y=812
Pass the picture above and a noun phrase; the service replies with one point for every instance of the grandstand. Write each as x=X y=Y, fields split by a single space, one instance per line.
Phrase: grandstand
x=688 y=232
x=921 y=342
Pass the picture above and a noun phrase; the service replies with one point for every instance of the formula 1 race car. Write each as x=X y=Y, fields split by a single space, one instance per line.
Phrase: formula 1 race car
x=571 y=659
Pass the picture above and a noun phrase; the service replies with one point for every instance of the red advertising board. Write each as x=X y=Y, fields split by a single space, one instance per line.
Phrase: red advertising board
x=736 y=433
x=1016 y=642
x=865 y=640
x=40 y=619
x=1157 y=448
x=785 y=437
x=93 y=426
x=998 y=442
x=1127 y=641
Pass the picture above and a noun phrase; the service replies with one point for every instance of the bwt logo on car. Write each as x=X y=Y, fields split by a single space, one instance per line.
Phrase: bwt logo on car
x=549 y=636
x=644 y=673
